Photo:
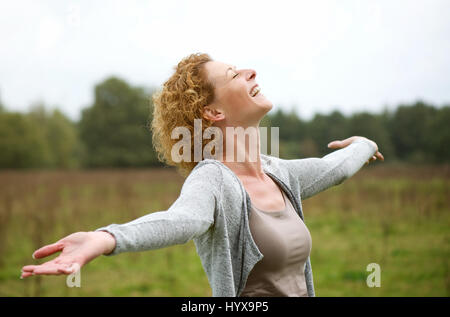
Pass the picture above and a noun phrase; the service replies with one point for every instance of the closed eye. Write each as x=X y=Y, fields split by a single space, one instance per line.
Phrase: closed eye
x=235 y=75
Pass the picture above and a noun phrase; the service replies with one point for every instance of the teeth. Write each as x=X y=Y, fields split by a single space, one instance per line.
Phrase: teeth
x=255 y=91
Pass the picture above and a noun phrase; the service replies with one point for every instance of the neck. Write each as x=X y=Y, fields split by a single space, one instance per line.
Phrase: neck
x=244 y=159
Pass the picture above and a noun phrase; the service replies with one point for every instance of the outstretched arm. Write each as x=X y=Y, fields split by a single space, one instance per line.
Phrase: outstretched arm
x=317 y=174
x=191 y=215
x=77 y=249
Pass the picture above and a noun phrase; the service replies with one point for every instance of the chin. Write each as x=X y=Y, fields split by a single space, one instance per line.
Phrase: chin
x=268 y=105
x=266 y=102
x=265 y=108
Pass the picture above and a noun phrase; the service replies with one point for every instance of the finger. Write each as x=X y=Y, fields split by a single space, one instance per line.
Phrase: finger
x=348 y=141
x=49 y=270
x=29 y=268
x=38 y=268
x=380 y=156
x=338 y=144
x=48 y=250
x=334 y=144
x=25 y=274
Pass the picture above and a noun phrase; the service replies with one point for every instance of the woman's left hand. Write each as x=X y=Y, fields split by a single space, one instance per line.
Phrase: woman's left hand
x=343 y=143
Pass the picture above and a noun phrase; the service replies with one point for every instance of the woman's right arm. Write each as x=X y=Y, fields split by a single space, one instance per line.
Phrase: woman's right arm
x=191 y=215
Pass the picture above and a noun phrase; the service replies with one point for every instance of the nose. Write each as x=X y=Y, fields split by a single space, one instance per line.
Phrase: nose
x=251 y=74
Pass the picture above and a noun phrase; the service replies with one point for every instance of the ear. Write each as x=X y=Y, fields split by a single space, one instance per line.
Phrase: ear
x=213 y=114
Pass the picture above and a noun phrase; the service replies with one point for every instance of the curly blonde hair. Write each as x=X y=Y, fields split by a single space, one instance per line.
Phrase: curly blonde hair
x=180 y=101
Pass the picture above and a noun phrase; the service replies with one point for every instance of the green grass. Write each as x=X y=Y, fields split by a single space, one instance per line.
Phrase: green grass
x=397 y=217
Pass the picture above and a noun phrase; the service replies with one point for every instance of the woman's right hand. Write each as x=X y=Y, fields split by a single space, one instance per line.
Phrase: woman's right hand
x=76 y=249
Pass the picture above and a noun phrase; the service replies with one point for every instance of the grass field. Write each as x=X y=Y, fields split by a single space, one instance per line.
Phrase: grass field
x=396 y=216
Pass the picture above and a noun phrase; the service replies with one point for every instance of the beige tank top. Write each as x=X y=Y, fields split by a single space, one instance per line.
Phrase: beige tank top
x=285 y=241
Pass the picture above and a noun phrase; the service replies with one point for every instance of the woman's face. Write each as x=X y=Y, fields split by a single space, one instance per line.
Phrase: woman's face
x=235 y=103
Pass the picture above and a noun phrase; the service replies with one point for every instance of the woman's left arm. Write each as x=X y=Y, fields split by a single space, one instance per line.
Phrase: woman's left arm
x=346 y=142
x=317 y=174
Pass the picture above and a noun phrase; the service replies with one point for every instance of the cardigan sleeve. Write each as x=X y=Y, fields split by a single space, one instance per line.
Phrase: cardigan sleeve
x=317 y=174
x=191 y=215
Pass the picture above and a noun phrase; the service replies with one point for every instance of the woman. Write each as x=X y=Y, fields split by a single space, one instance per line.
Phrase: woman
x=245 y=217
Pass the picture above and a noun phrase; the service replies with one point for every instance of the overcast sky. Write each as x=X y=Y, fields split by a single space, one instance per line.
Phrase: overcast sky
x=317 y=55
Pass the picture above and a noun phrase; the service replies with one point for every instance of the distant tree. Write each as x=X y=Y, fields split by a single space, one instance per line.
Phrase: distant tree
x=22 y=142
x=439 y=135
x=317 y=130
x=63 y=141
x=411 y=131
x=60 y=134
x=291 y=127
x=115 y=128
x=372 y=126
x=339 y=126
x=323 y=129
x=291 y=131
x=114 y=132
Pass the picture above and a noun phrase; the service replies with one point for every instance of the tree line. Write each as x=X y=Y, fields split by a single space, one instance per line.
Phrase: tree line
x=114 y=132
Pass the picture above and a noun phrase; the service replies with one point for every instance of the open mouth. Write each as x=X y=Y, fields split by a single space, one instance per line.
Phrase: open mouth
x=254 y=91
